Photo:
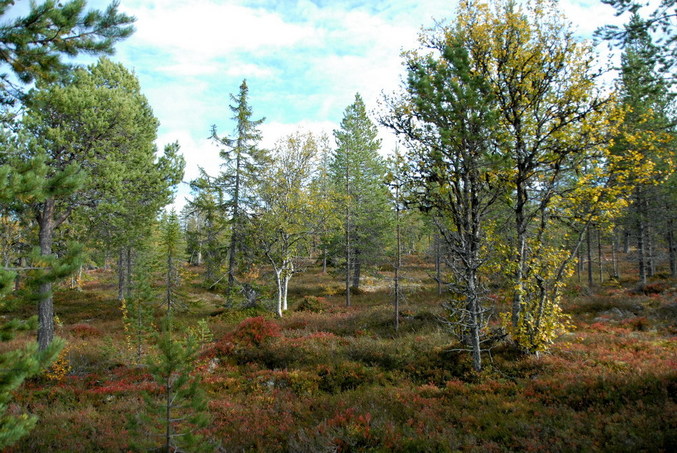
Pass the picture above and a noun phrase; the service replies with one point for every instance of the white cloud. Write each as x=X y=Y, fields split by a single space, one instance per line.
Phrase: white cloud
x=249 y=70
x=203 y=30
x=274 y=131
x=588 y=15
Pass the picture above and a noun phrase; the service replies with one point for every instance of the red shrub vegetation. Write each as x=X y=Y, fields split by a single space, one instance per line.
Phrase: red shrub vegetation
x=255 y=331
x=82 y=330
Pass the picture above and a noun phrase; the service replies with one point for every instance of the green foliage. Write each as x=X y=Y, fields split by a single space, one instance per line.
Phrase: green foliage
x=206 y=227
x=357 y=173
x=291 y=213
x=171 y=250
x=243 y=164
x=16 y=366
x=659 y=22
x=455 y=168
x=35 y=44
x=312 y=304
x=201 y=332
x=138 y=311
x=178 y=410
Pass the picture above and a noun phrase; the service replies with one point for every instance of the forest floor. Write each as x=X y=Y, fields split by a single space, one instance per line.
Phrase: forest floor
x=336 y=378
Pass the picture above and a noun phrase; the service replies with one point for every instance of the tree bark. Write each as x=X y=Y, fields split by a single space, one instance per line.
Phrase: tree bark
x=438 y=263
x=18 y=279
x=599 y=256
x=121 y=274
x=521 y=226
x=614 y=255
x=357 y=270
x=285 y=291
x=672 y=247
x=128 y=271
x=398 y=263
x=235 y=234
x=278 y=280
x=473 y=307
x=641 y=243
x=588 y=242
x=46 y=302
x=348 y=262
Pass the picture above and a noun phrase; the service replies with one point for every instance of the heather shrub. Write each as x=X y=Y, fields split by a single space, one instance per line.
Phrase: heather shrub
x=82 y=330
x=313 y=304
x=234 y=315
x=255 y=331
x=347 y=375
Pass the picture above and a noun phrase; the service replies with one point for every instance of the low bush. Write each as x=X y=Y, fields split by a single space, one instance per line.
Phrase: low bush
x=255 y=331
x=313 y=304
x=82 y=330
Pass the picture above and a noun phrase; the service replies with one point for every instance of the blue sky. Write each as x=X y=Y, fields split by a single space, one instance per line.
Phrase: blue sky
x=304 y=60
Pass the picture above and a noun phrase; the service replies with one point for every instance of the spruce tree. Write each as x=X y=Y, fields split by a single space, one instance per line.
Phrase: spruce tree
x=647 y=140
x=206 y=226
x=242 y=167
x=171 y=250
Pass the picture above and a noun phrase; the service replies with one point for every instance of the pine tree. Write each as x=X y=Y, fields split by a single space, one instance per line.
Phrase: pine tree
x=448 y=118
x=243 y=164
x=20 y=182
x=660 y=23
x=181 y=409
x=90 y=130
x=33 y=45
x=357 y=173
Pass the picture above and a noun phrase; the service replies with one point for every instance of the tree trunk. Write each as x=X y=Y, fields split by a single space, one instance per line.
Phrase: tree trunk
x=614 y=256
x=650 y=252
x=324 y=260
x=641 y=244
x=235 y=234
x=473 y=308
x=121 y=274
x=128 y=271
x=588 y=242
x=278 y=281
x=17 y=280
x=398 y=263
x=521 y=227
x=46 y=303
x=285 y=291
x=599 y=256
x=672 y=246
x=231 y=270
x=168 y=415
x=348 y=227
x=438 y=263
x=357 y=270
x=348 y=267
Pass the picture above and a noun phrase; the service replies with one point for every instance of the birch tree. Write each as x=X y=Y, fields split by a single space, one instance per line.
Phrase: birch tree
x=291 y=212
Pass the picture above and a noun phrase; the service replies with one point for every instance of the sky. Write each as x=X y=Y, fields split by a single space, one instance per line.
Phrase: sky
x=303 y=60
